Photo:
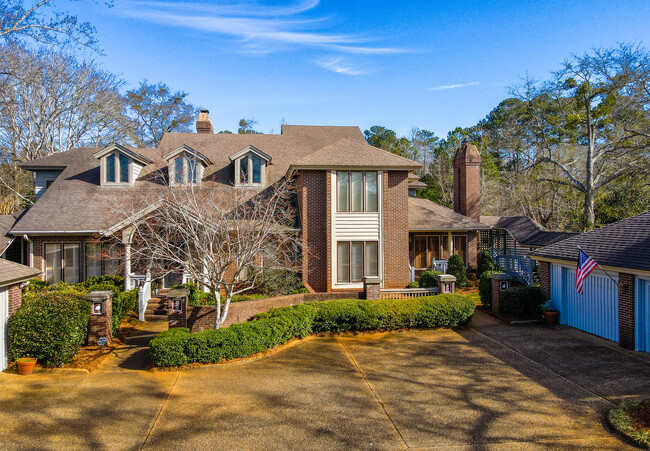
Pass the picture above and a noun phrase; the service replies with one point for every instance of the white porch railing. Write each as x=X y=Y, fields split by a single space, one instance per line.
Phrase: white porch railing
x=144 y=296
x=406 y=293
x=438 y=265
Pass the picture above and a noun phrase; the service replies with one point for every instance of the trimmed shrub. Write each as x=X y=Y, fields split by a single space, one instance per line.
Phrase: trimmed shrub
x=51 y=327
x=484 y=263
x=117 y=281
x=279 y=325
x=456 y=267
x=414 y=284
x=278 y=282
x=428 y=279
x=196 y=295
x=485 y=288
x=123 y=305
x=521 y=301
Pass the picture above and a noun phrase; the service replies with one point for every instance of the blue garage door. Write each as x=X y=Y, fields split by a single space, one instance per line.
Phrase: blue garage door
x=595 y=311
x=642 y=308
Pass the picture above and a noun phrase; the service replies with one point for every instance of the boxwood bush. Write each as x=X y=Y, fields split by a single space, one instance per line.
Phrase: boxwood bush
x=456 y=267
x=428 y=279
x=51 y=327
x=522 y=301
x=485 y=288
x=484 y=263
x=267 y=330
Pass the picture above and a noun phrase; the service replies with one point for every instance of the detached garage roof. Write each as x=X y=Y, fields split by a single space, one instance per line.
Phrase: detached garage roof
x=624 y=244
x=525 y=230
x=11 y=272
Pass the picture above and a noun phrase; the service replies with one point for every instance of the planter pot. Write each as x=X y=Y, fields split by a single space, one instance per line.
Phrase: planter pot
x=551 y=317
x=26 y=365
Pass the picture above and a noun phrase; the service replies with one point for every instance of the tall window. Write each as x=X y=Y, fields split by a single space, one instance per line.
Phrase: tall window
x=117 y=168
x=185 y=170
x=356 y=259
x=93 y=260
x=249 y=170
x=356 y=191
x=460 y=246
x=62 y=262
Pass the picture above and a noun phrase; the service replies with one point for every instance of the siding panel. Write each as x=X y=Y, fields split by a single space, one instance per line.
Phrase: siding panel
x=40 y=177
x=642 y=307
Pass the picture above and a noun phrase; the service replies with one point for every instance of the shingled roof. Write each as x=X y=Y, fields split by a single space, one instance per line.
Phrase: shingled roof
x=426 y=215
x=623 y=244
x=6 y=224
x=11 y=272
x=76 y=203
x=525 y=230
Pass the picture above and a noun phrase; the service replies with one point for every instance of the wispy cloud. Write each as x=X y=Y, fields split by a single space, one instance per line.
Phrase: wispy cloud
x=335 y=65
x=443 y=87
x=259 y=28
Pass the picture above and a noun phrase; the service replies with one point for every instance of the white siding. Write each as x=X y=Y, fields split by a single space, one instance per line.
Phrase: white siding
x=4 y=328
x=40 y=177
x=135 y=171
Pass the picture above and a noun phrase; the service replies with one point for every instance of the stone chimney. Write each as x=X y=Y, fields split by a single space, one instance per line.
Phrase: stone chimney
x=467 y=181
x=203 y=123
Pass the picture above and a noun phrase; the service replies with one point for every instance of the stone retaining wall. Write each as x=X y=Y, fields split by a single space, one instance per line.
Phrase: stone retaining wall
x=202 y=318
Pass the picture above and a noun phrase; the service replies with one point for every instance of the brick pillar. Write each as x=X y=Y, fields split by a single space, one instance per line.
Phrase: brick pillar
x=101 y=319
x=499 y=282
x=467 y=181
x=545 y=279
x=371 y=286
x=177 y=313
x=446 y=283
x=626 y=322
x=15 y=301
x=472 y=250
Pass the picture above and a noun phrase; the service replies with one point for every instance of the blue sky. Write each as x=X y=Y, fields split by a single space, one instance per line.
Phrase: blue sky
x=402 y=64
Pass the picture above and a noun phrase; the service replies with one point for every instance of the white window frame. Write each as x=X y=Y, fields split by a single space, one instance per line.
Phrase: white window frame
x=364 y=208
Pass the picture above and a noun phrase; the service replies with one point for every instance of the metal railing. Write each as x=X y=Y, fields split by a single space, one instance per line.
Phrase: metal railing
x=516 y=265
x=406 y=293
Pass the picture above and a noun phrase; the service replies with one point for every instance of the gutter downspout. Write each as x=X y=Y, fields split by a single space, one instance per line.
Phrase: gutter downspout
x=30 y=257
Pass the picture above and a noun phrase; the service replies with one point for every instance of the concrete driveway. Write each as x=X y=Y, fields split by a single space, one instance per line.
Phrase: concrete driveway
x=490 y=386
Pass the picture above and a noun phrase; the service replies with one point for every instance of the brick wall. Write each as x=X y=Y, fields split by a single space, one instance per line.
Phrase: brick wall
x=15 y=301
x=626 y=310
x=202 y=318
x=472 y=250
x=545 y=279
x=396 y=234
x=313 y=201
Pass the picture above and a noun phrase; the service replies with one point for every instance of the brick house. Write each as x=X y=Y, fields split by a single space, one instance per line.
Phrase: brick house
x=618 y=311
x=12 y=275
x=358 y=214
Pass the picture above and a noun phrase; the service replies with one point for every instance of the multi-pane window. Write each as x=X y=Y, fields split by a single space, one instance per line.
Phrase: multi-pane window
x=460 y=246
x=356 y=259
x=62 y=262
x=249 y=170
x=117 y=168
x=101 y=259
x=356 y=191
x=185 y=170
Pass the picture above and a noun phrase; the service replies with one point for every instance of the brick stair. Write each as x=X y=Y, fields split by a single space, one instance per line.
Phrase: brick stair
x=156 y=309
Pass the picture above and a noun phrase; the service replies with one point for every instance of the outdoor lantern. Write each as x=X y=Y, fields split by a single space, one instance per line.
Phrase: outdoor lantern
x=504 y=285
x=177 y=305
x=98 y=308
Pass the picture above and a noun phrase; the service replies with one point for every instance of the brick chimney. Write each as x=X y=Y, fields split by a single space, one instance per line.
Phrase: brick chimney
x=467 y=183
x=203 y=123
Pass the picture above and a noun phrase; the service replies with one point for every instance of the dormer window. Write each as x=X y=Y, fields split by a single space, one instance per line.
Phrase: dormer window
x=119 y=166
x=250 y=167
x=186 y=166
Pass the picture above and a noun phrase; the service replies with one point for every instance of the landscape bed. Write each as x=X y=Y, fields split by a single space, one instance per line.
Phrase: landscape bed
x=178 y=346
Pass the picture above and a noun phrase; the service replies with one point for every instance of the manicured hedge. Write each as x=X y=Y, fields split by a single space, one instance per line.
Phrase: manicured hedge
x=485 y=288
x=456 y=267
x=522 y=301
x=428 y=279
x=485 y=263
x=267 y=330
x=50 y=327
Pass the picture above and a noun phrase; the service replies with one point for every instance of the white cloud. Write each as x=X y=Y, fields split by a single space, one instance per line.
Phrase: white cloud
x=259 y=28
x=336 y=66
x=442 y=88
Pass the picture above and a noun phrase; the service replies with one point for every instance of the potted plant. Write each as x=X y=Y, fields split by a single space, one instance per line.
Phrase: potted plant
x=551 y=315
x=26 y=365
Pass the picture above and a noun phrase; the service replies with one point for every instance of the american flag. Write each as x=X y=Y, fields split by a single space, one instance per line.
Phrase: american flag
x=586 y=264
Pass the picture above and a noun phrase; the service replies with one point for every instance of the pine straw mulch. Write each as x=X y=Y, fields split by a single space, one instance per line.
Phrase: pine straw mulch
x=632 y=419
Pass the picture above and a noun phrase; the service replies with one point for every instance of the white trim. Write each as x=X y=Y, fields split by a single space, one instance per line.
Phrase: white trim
x=568 y=263
x=250 y=149
x=129 y=153
x=205 y=161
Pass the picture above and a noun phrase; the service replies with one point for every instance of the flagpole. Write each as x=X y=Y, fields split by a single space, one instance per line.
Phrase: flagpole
x=597 y=264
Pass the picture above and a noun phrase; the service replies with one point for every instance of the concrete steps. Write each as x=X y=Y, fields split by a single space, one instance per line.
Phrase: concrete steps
x=156 y=310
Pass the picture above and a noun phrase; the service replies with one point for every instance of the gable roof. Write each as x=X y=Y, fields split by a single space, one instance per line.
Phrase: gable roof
x=623 y=244
x=187 y=149
x=128 y=152
x=11 y=272
x=253 y=150
x=426 y=215
x=6 y=224
x=349 y=153
x=75 y=203
x=525 y=230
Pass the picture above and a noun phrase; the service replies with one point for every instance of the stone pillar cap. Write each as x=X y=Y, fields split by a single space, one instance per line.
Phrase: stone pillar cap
x=446 y=278
x=500 y=276
x=372 y=280
x=178 y=293
x=99 y=295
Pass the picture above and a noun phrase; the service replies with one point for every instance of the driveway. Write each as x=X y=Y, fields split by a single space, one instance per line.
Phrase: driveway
x=490 y=386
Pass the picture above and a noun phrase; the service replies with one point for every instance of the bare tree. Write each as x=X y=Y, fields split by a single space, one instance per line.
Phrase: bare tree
x=38 y=21
x=218 y=236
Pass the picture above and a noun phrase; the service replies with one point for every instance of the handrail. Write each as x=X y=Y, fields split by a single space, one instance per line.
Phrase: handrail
x=144 y=296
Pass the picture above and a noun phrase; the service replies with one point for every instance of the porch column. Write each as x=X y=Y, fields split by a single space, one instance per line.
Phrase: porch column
x=127 y=236
x=450 y=244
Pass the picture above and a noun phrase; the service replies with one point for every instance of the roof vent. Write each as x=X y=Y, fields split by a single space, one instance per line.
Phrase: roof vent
x=203 y=123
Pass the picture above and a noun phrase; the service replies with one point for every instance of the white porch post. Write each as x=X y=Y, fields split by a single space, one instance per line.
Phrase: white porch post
x=127 y=235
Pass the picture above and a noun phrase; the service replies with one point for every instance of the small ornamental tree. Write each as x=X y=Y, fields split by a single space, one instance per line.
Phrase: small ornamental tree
x=456 y=267
x=485 y=263
x=220 y=236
